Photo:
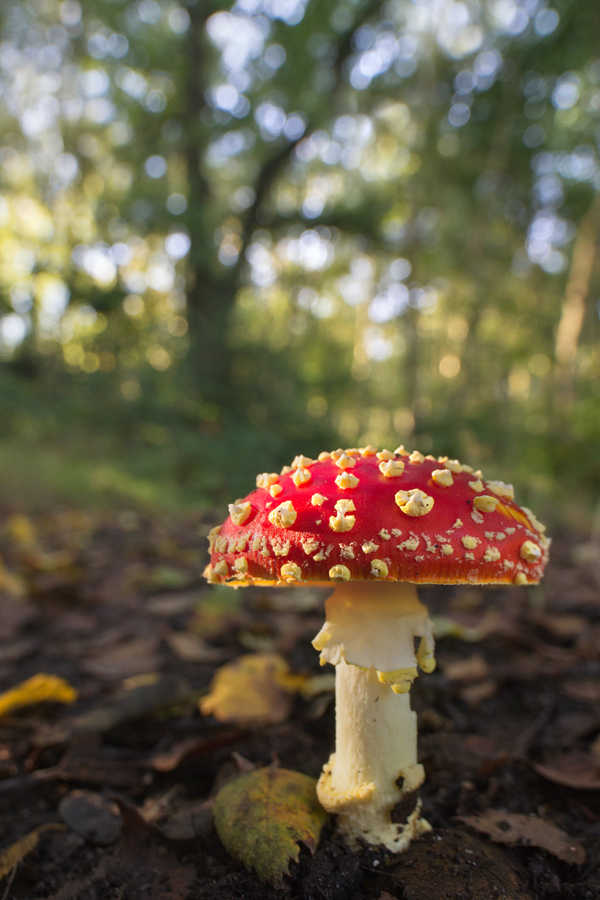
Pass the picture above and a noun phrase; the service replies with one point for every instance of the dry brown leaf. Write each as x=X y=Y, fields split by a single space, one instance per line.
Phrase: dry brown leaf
x=192 y=648
x=517 y=830
x=445 y=626
x=574 y=770
x=16 y=650
x=136 y=699
x=472 y=668
x=174 y=604
x=566 y=626
x=256 y=688
x=37 y=689
x=170 y=759
x=586 y=690
x=475 y=694
x=188 y=820
x=131 y=658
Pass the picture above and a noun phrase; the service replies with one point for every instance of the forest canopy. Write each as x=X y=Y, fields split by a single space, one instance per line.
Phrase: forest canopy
x=229 y=234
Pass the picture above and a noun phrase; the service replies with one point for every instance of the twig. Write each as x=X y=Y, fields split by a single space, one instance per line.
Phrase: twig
x=11 y=878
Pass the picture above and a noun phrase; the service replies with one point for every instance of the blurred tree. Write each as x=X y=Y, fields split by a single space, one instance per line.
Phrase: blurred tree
x=372 y=218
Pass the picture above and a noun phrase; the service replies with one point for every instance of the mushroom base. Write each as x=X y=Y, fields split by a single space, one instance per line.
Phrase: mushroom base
x=371 y=780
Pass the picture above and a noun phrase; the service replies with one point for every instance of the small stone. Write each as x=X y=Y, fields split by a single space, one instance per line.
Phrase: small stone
x=91 y=815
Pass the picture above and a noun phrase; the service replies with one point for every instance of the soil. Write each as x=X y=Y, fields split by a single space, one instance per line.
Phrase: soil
x=117 y=788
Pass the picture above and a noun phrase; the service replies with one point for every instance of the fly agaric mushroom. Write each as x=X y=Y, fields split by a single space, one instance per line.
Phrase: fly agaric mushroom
x=374 y=525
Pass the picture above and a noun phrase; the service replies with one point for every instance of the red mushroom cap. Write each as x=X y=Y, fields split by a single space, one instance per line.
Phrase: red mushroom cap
x=366 y=516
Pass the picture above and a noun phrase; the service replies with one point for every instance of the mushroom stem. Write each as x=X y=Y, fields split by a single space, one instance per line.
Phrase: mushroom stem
x=372 y=778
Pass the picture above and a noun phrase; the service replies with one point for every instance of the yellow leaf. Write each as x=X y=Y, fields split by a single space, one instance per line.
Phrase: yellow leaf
x=35 y=690
x=261 y=817
x=21 y=530
x=11 y=583
x=256 y=688
x=17 y=852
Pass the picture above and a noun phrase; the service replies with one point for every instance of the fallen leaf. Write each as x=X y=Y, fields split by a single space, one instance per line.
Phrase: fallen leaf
x=255 y=688
x=517 y=830
x=131 y=658
x=133 y=817
x=585 y=689
x=15 y=614
x=261 y=817
x=12 y=584
x=563 y=626
x=16 y=650
x=192 y=648
x=169 y=760
x=444 y=626
x=43 y=561
x=21 y=530
x=129 y=704
x=574 y=770
x=475 y=694
x=17 y=852
x=173 y=604
x=37 y=689
x=192 y=819
x=472 y=668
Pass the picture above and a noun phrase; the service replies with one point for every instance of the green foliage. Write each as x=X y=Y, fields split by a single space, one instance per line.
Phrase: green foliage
x=228 y=234
x=261 y=817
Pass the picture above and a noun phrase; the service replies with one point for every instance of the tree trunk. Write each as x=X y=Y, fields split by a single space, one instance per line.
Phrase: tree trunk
x=574 y=304
x=211 y=289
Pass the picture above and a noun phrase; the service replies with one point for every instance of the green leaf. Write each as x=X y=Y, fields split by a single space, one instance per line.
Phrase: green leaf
x=260 y=817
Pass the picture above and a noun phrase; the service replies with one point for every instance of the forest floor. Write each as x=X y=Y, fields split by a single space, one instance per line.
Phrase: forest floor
x=111 y=796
